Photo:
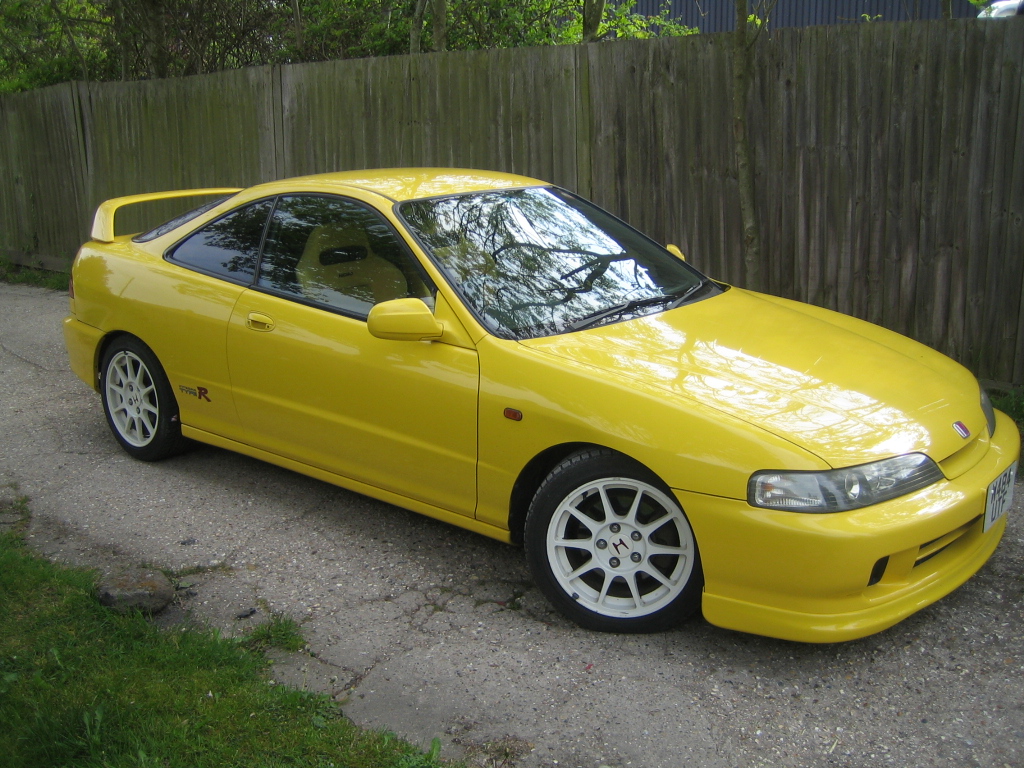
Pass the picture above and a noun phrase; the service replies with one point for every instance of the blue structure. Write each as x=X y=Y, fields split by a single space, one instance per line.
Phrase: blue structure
x=720 y=15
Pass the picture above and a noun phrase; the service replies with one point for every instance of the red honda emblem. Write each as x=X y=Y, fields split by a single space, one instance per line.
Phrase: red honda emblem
x=961 y=429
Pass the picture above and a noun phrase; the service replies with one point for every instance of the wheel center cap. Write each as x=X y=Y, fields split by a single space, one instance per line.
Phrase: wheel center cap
x=620 y=547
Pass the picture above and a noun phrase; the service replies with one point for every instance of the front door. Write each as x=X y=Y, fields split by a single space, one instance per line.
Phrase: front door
x=310 y=382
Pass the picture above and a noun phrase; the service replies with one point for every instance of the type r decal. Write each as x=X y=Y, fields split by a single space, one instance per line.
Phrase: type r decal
x=201 y=393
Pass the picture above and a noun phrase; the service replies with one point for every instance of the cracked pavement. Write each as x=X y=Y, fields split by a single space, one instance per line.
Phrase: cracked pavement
x=429 y=630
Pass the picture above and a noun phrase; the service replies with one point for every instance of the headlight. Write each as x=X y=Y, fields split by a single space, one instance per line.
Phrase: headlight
x=990 y=414
x=838 y=490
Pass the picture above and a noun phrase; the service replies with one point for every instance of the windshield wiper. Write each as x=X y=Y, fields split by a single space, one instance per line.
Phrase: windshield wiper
x=678 y=301
x=628 y=306
x=618 y=309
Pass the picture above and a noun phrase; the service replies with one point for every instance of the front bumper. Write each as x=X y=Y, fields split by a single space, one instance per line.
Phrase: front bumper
x=824 y=578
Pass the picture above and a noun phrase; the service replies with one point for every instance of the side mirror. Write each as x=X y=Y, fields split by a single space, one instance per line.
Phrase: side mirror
x=674 y=250
x=403 y=320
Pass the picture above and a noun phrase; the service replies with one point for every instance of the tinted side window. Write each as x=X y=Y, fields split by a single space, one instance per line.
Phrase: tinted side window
x=337 y=252
x=229 y=246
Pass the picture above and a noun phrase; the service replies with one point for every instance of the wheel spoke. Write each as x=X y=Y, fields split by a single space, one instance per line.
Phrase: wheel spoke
x=606 y=503
x=662 y=549
x=585 y=568
x=634 y=507
x=587 y=522
x=634 y=590
x=605 y=586
x=584 y=544
x=657 y=575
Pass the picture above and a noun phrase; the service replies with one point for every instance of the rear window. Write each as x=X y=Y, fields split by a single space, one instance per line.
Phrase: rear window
x=177 y=221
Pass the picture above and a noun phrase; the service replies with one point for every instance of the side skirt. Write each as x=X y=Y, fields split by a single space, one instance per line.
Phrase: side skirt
x=437 y=513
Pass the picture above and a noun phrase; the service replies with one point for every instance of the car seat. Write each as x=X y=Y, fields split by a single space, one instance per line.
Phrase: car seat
x=338 y=259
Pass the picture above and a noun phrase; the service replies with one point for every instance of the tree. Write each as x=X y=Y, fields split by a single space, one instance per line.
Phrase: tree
x=593 y=12
x=748 y=28
x=49 y=41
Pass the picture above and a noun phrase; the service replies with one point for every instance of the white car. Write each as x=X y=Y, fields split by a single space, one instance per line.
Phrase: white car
x=1002 y=8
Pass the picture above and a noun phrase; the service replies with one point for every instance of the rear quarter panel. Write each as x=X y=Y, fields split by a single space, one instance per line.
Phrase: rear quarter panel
x=181 y=315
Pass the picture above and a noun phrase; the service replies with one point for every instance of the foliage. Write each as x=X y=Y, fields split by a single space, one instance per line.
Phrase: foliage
x=42 y=43
x=82 y=686
x=322 y=30
x=44 y=278
x=1012 y=404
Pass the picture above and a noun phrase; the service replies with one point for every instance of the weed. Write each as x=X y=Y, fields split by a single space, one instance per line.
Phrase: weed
x=427 y=759
x=280 y=632
x=17 y=508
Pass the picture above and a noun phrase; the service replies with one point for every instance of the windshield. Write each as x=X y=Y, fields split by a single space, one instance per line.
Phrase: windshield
x=538 y=261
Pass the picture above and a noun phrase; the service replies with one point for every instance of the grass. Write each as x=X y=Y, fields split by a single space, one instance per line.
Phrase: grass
x=82 y=687
x=280 y=632
x=44 y=278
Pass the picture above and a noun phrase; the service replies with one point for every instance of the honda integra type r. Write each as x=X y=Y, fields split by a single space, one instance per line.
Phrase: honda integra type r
x=498 y=353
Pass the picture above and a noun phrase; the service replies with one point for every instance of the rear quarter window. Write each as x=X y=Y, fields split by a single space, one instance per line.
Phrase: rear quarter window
x=228 y=247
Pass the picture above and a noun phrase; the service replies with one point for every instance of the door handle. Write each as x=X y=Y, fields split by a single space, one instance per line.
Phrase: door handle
x=257 y=321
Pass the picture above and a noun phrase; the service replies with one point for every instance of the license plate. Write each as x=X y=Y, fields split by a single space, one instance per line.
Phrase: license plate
x=1000 y=496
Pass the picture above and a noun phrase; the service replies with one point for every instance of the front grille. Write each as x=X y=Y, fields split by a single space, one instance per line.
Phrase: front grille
x=897 y=567
x=930 y=549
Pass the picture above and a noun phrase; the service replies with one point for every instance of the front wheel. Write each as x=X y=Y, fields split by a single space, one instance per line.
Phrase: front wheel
x=610 y=547
x=138 y=401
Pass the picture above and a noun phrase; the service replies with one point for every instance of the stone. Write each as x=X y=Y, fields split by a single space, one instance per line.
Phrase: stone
x=136 y=589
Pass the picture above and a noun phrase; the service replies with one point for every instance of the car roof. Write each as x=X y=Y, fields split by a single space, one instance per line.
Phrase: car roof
x=401 y=184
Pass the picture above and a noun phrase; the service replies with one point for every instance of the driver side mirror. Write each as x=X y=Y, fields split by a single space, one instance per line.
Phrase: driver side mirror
x=403 y=320
x=674 y=250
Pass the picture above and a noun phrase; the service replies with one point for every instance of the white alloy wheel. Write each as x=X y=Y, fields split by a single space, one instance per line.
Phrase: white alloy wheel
x=620 y=547
x=131 y=398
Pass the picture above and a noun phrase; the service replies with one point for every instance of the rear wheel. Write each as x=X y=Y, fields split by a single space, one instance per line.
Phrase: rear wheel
x=138 y=401
x=610 y=547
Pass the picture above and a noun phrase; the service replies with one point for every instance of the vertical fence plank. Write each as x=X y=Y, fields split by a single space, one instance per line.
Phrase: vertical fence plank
x=42 y=206
x=1004 y=352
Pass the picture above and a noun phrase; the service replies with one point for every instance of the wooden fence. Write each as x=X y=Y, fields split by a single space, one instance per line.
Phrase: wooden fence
x=889 y=156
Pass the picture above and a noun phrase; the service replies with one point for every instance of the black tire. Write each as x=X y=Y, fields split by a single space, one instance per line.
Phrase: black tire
x=644 y=577
x=138 y=401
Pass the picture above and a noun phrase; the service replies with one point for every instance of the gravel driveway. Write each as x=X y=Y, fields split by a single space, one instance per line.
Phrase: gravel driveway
x=429 y=630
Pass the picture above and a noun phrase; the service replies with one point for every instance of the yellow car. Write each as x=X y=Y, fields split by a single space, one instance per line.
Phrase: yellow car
x=500 y=354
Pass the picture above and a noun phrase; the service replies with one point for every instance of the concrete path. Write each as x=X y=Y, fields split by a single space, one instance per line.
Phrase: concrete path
x=432 y=631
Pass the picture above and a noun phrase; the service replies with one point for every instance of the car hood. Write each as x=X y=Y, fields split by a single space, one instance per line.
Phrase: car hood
x=848 y=391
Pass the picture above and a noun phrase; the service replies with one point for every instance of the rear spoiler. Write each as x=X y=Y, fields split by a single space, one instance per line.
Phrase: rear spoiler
x=103 y=222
